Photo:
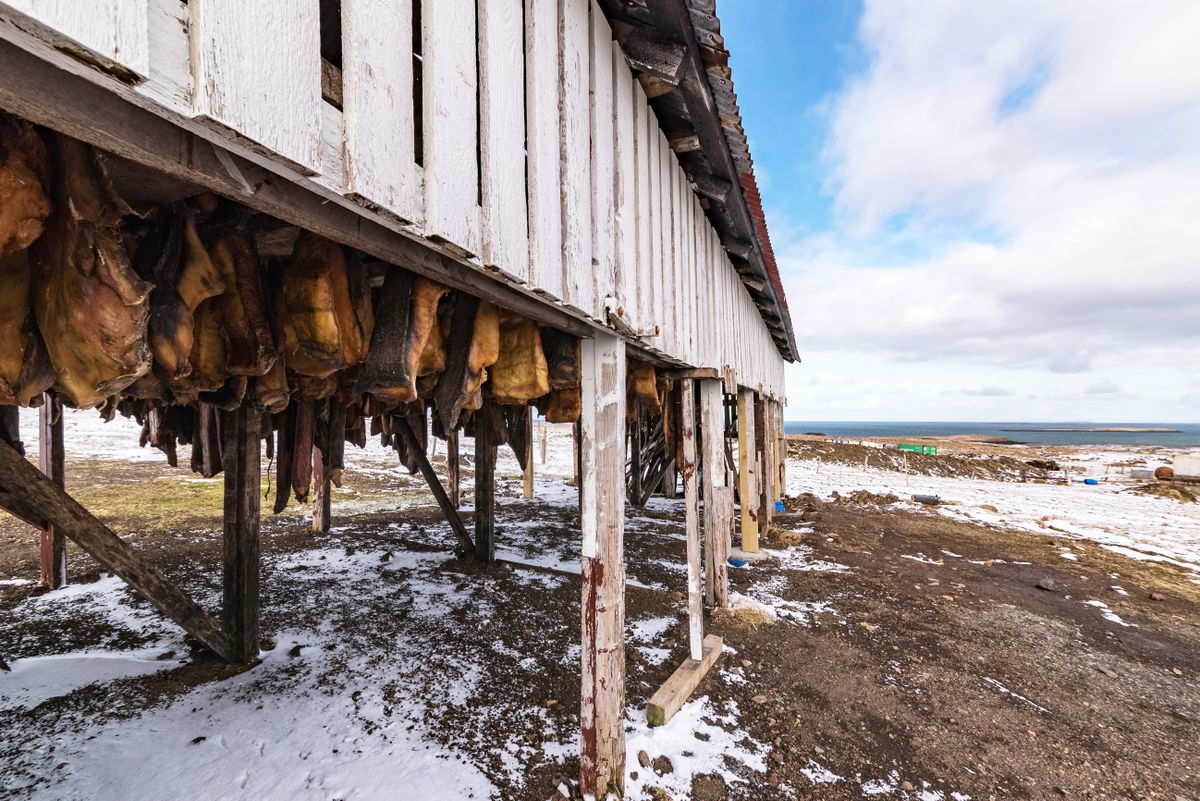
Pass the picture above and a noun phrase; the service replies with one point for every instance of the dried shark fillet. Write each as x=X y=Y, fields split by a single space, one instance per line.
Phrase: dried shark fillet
x=408 y=316
x=520 y=373
x=643 y=386
x=90 y=305
x=324 y=307
x=565 y=405
x=562 y=356
x=25 y=369
x=24 y=180
x=249 y=345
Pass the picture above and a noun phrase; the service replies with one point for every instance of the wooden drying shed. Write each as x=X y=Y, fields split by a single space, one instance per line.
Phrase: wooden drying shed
x=303 y=223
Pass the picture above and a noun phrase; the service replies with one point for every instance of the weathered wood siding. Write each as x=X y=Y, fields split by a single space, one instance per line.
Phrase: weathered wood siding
x=533 y=156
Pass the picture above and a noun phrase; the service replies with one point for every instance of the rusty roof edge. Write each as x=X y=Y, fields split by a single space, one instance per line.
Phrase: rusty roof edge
x=706 y=26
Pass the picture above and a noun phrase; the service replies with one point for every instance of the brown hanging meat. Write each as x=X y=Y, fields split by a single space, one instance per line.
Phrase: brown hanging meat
x=323 y=309
x=520 y=373
x=249 y=346
x=408 y=316
x=24 y=178
x=90 y=305
x=25 y=369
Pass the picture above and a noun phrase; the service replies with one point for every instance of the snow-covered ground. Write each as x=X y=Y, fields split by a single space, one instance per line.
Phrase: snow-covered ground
x=1136 y=525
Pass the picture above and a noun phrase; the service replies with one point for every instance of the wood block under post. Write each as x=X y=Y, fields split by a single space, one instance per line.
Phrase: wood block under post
x=602 y=523
x=485 y=492
x=240 y=431
x=50 y=459
x=683 y=682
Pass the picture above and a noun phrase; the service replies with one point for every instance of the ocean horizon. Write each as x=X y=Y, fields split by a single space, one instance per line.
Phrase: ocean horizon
x=1186 y=435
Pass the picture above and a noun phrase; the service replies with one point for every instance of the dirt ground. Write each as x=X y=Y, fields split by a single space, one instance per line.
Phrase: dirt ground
x=930 y=664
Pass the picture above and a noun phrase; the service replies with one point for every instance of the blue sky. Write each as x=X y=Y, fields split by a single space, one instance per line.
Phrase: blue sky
x=977 y=215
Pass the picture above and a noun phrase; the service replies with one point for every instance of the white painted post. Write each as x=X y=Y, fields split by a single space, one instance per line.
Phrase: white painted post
x=691 y=506
x=717 y=504
x=602 y=520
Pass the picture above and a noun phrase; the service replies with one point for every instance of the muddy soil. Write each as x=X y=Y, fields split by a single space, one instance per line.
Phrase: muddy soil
x=934 y=663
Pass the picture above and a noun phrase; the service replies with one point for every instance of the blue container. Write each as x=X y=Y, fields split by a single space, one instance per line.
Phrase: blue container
x=1090 y=482
x=737 y=562
x=778 y=506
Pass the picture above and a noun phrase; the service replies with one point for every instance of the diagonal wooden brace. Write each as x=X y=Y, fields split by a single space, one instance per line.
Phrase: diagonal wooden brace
x=30 y=495
x=439 y=492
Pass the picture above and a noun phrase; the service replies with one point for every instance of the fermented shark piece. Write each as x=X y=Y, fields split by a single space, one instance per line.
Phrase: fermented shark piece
x=90 y=305
x=24 y=181
x=520 y=372
x=562 y=356
x=272 y=388
x=408 y=309
x=643 y=386
x=25 y=369
x=565 y=405
x=249 y=346
x=208 y=357
x=324 y=306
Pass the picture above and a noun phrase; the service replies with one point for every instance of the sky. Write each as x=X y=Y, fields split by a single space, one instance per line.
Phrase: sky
x=984 y=210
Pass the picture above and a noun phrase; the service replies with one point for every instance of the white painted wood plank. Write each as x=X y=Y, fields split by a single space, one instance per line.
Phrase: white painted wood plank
x=654 y=216
x=377 y=104
x=449 y=83
x=170 y=81
x=575 y=124
x=541 y=104
x=625 y=156
x=691 y=516
x=644 y=213
x=257 y=71
x=113 y=33
x=603 y=118
x=502 y=137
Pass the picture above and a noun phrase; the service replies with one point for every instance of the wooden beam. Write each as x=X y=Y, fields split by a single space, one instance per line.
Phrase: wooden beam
x=747 y=460
x=685 y=142
x=718 y=497
x=711 y=187
x=51 y=460
x=322 y=492
x=435 y=485
x=691 y=515
x=452 y=465
x=33 y=497
x=240 y=449
x=660 y=60
x=763 y=427
x=602 y=520
x=485 y=489
x=527 y=473
x=683 y=682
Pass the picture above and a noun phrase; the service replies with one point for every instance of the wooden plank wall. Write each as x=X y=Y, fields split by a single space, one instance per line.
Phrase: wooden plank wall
x=534 y=157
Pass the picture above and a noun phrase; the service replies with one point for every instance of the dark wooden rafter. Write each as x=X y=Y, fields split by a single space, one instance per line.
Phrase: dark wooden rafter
x=30 y=495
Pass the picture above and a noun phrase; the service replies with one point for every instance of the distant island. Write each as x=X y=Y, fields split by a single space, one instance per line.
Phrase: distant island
x=1097 y=430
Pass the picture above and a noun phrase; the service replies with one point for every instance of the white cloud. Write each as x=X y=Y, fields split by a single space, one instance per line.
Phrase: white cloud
x=1017 y=188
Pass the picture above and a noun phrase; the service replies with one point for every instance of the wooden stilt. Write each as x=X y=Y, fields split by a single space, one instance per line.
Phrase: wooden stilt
x=322 y=486
x=763 y=427
x=545 y=434
x=435 y=486
x=528 y=472
x=691 y=515
x=602 y=520
x=34 y=498
x=485 y=493
x=452 y=478
x=50 y=459
x=240 y=447
x=718 y=496
x=747 y=467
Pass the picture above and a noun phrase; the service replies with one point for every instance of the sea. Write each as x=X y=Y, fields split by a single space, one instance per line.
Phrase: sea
x=1187 y=434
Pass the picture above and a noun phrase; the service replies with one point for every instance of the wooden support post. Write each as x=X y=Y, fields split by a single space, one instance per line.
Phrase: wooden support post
x=691 y=515
x=718 y=496
x=50 y=459
x=240 y=448
x=31 y=496
x=528 y=472
x=602 y=520
x=415 y=447
x=452 y=476
x=763 y=427
x=780 y=453
x=485 y=492
x=545 y=434
x=747 y=467
x=322 y=500
x=635 y=457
